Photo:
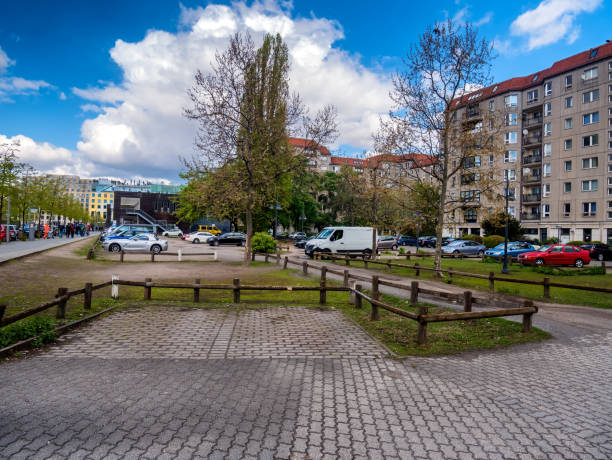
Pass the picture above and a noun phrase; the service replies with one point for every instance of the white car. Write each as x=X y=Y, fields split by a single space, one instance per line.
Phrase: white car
x=198 y=237
x=175 y=231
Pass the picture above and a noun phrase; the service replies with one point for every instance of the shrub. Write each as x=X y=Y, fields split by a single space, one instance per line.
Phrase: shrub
x=492 y=241
x=552 y=240
x=262 y=242
x=476 y=238
x=402 y=250
x=27 y=328
x=576 y=243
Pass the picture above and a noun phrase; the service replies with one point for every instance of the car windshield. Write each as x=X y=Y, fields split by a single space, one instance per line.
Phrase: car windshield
x=545 y=248
x=455 y=243
x=325 y=234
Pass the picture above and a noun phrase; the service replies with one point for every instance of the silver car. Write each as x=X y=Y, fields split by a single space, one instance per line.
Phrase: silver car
x=465 y=247
x=142 y=242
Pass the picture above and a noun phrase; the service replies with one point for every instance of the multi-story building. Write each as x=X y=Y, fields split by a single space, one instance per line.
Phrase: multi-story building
x=558 y=145
x=319 y=157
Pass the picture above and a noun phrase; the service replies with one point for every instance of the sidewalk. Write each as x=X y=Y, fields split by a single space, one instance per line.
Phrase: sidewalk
x=18 y=249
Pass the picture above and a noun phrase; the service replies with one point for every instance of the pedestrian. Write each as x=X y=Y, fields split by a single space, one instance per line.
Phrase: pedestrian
x=62 y=228
x=46 y=235
x=71 y=230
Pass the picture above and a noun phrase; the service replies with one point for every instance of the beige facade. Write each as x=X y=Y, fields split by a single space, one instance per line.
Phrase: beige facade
x=558 y=141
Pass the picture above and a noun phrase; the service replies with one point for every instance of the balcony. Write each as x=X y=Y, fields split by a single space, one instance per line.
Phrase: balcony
x=589 y=214
x=472 y=114
x=529 y=122
x=532 y=159
x=531 y=178
x=530 y=216
x=532 y=198
x=531 y=140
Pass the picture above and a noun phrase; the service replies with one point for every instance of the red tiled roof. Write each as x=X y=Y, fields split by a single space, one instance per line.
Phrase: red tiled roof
x=308 y=144
x=418 y=160
x=521 y=83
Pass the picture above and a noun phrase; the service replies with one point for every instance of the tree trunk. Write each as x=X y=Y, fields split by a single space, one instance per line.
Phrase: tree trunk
x=249 y=226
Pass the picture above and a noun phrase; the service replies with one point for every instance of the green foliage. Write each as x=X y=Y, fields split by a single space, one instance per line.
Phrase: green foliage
x=552 y=240
x=571 y=272
x=492 y=241
x=28 y=328
x=576 y=243
x=262 y=242
x=496 y=225
x=476 y=238
x=402 y=250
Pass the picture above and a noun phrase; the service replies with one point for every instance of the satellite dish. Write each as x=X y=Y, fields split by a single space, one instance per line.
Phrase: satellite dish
x=525 y=132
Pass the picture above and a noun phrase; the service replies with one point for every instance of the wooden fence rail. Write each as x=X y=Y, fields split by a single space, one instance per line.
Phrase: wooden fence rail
x=179 y=254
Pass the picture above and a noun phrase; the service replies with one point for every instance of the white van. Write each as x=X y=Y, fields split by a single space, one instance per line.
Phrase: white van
x=342 y=240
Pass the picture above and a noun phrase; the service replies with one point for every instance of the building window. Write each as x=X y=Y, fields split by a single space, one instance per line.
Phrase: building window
x=470 y=215
x=546 y=170
x=548 y=88
x=511 y=100
x=566 y=209
x=491 y=159
x=547 y=149
x=546 y=210
x=568 y=144
x=589 y=185
x=589 y=74
x=589 y=209
x=546 y=190
x=590 y=163
x=511 y=119
x=568 y=123
x=569 y=102
x=469 y=195
x=510 y=156
x=509 y=174
x=568 y=81
x=532 y=96
x=590 y=141
x=491 y=105
x=590 y=118
x=590 y=96
x=567 y=187
x=547 y=129
x=510 y=138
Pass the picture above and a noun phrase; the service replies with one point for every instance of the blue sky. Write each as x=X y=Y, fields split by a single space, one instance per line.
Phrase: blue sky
x=97 y=88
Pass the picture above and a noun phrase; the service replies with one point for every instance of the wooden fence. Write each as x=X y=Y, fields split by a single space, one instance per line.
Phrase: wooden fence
x=92 y=249
x=179 y=254
x=491 y=277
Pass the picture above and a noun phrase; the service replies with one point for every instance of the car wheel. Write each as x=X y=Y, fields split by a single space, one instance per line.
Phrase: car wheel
x=539 y=261
x=600 y=257
x=456 y=253
x=480 y=253
x=242 y=243
x=216 y=243
x=180 y=235
x=579 y=263
x=156 y=249
x=367 y=252
x=114 y=248
x=394 y=247
x=196 y=241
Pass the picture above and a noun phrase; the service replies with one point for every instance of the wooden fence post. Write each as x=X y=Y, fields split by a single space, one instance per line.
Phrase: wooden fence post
x=389 y=266
x=422 y=329
x=414 y=293
x=236 y=290
x=352 y=294
x=374 y=316
x=527 y=317
x=491 y=282
x=278 y=259
x=358 y=299
x=305 y=268
x=2 y=310
x=114 y=287
x=180 y=254
x=450 y=275
x=61 y=307
x=416 y=269
x=285 y=262
x=121 y=255
x=147 y=289
x=323 y=291
x=196 y=291
x=467 y=301
x=87 y=296
x=546 y=287
x=408 y=255
x=345 y=282
x=365 y=263
x=252 y=256
x=90 y=254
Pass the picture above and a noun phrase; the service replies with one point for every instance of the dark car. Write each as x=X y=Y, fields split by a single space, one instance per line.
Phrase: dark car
x=598 y=251
x=302 y=243
x=427 y=241
x=407 y=240
x=235 y=239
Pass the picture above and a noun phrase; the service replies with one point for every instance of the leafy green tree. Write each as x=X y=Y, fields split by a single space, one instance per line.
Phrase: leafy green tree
x=10 y=168
x=496 y=225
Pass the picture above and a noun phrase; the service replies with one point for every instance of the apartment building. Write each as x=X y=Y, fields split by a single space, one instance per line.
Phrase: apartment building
x=319 y=157
x=557 y=139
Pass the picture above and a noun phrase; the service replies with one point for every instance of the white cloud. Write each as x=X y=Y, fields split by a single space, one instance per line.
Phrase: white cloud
x=10 y=86
x=62 y=96
x=140 y=128
x=4 y=61
x=551 y=21
x=484 y=20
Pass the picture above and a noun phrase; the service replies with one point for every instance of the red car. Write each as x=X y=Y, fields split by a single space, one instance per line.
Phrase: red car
x=12 y=233
x=556 y=254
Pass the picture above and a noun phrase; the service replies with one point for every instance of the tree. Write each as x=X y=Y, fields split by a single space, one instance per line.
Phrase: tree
x=10 y=168
x=245 y=115
x=447 y=62
x=496 y=225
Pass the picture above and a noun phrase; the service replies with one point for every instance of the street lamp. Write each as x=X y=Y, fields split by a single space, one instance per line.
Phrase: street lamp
x=505 y=270
x=417 y=215
x=302 y=219
x=276 y=208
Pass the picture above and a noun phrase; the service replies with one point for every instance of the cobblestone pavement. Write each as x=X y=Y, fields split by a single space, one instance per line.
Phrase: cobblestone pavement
x=550 y=400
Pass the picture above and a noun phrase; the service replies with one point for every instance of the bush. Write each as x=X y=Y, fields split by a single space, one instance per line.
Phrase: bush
x=262 y=242
x=402 y=250
x=476 y=238
x=492 y=241
x=552 y=240
x=576 y=243
x=27 y=328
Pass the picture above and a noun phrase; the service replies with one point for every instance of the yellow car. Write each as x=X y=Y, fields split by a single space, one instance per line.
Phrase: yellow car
x=210 y=229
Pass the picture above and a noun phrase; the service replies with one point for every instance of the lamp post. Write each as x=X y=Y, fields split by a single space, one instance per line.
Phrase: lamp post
x=302 y=219
x=276 y=208
x=505 y=270
x=417 y=215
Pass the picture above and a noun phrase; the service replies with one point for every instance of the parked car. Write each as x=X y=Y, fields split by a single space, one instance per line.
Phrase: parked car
x=514 y=249
x=298 y=236
x=386 y=242
x=174 y=231
x=142 y=242
x=126 y=234
x=556 y=254
x=209 y=228
x=302 y=243
x=12 y=233
x=235 y=238
x=425 y=241
x=198 y=237
x=465 y=247
x=598 y=251
x=407 y=240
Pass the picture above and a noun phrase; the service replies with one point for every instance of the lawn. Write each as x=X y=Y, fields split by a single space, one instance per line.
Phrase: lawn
x=476 y=266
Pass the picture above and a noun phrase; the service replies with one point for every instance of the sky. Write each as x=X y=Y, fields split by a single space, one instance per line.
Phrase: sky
x=98 y=88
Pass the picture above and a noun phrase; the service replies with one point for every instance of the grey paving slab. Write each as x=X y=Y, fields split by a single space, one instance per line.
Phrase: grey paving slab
x=16 y=249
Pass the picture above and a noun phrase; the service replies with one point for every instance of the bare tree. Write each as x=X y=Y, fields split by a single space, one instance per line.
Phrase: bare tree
x=246 y=114
x=448 y=62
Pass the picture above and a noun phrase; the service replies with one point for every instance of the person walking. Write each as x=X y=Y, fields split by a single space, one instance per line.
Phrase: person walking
x=46 y=234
